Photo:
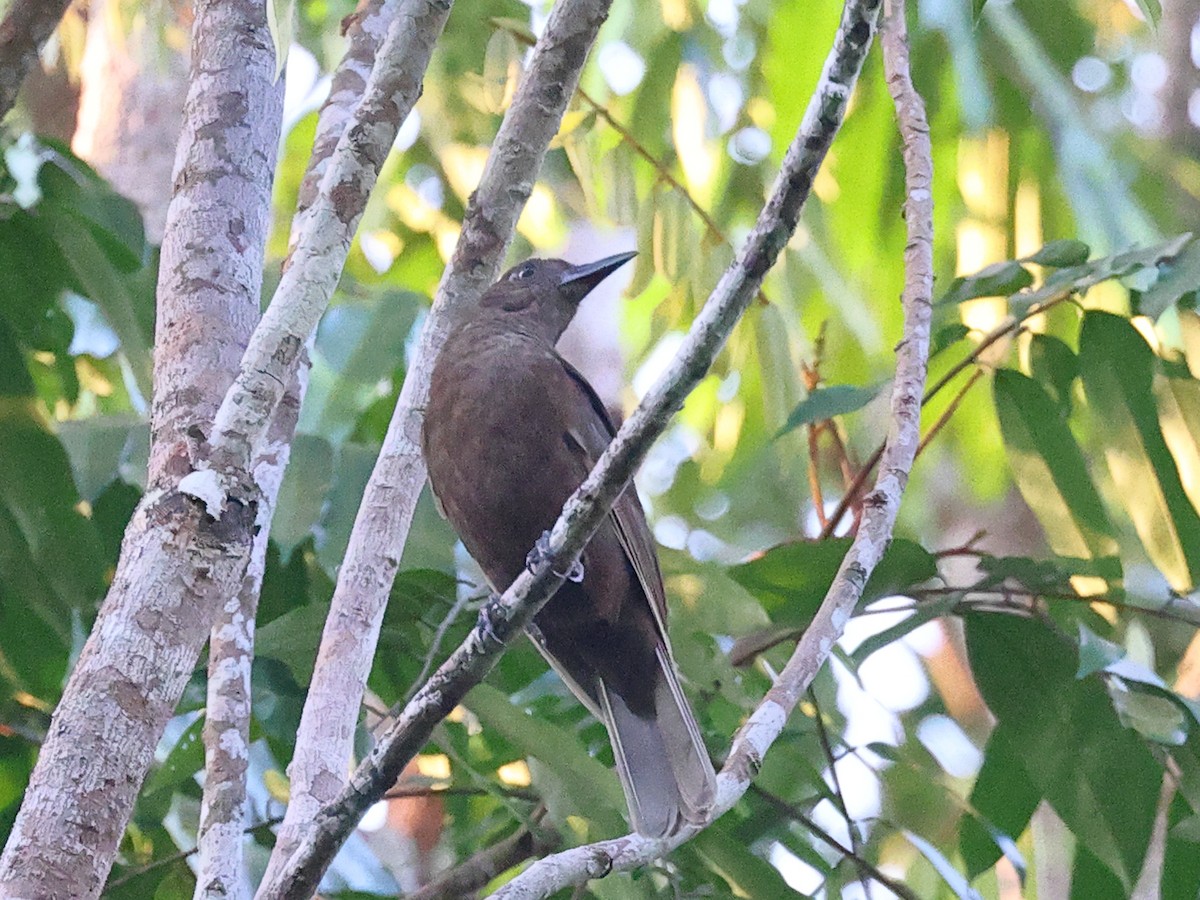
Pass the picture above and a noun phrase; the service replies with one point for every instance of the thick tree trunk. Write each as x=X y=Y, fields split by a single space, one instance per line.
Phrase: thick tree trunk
x=180 y=559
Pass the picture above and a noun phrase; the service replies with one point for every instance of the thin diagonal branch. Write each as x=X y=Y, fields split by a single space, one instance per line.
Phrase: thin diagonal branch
x=839 y=797
x=227 y=708
x=323 y=744
x=26 y=27
x=502 y=620
x=767 y=722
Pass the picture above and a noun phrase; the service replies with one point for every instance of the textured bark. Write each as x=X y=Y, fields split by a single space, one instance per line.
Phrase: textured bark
x=324 y=235
x=227 y=709
x=503 y=619
x=366 y=29
x=178 y=562
x=27 y=25
x=131 y=110
x=325 y=738
x=821 y=120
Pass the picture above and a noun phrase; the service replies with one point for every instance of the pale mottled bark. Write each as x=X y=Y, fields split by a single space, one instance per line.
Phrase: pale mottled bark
x=324 y=741
x=324 y=237
x=26 y=26
x=222 y=833
x=178 y=564
x=754 y=739
x=366 y=29
x=503 y=619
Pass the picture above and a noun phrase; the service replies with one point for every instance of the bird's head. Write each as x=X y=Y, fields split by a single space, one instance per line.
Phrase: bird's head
x=542 y=294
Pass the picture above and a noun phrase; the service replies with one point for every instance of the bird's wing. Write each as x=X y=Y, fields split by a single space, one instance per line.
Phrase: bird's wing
x=591 y=432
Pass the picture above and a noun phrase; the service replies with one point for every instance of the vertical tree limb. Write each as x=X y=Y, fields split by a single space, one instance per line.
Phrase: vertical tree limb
x=325 y=739
x=27 y=25
x=323 y=239
x=766 y=723
x=227 y=709
x=502 y=619
x=177 y=563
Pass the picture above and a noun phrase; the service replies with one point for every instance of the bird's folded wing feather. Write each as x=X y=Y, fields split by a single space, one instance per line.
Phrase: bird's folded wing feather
x=591 y=432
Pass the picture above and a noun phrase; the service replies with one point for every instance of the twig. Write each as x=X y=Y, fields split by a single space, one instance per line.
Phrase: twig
x=384 y=516
x=949 y=411
x=733 y=293
x=27 y=25
x=477 y=870
x=1012 y=326
x=810 y=824
x=227 y=707
x=839 y=797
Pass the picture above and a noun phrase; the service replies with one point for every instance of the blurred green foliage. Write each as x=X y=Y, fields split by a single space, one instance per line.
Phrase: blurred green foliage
x=1064 y=280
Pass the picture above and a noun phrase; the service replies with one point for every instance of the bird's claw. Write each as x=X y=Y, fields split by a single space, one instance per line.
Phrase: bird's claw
x=491 y=614
x=539 y=556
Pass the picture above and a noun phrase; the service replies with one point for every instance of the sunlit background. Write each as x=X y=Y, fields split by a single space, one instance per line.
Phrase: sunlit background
x=1048 y=121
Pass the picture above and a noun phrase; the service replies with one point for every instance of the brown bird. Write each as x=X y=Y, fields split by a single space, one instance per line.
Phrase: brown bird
x=511 y=430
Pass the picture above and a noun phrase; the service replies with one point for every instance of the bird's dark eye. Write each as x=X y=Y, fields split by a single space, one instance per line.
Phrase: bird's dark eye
x=524 y=272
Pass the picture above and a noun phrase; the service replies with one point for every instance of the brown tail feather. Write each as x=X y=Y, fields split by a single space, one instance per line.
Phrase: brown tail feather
x=668 y=779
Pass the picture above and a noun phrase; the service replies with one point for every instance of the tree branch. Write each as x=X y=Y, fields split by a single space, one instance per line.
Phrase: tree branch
x=323 y=238
x=178 y=564
x=765 y=724
x=324 y=741
x=473 y=873
x=227 y=709
x=502 y=619
x=28 y=25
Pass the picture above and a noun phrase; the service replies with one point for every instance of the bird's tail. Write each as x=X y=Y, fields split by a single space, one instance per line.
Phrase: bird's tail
x=666 y=773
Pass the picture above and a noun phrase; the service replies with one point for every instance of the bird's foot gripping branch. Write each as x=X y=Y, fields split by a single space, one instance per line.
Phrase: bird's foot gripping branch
x=540 y=557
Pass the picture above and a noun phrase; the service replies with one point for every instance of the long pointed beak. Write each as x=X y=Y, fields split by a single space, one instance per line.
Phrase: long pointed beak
x=578 y=281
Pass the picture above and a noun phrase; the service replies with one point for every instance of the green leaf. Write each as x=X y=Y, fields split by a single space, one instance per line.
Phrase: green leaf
x=293 y=639
x=791 y=580
x=1179 y=415
x=1181 y=868
x=1117 y=367
x=1002 y=800
x=50 y=556
x=947 y=336
x=302 y=493
x=1120 y=265
x=997 y=280
x=1054 y=365
x=674 y=238
x=580 y=782
x=1060 y=254
x=111 y=290
x=184 y=760
x=1098 y=775
x=1050 y=470
x=76 y=190
x=747 y=874
x=1178 y=278
x=105 y=449
x=827 y=403
x=357 y=348
x=1095 y=653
